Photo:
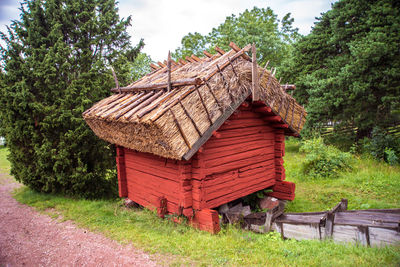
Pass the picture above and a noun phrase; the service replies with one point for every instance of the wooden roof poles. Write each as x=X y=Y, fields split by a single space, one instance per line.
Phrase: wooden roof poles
x=115 y=78
x=154 y=86
x=255 y=86
x=287 y=87
x=169 y=71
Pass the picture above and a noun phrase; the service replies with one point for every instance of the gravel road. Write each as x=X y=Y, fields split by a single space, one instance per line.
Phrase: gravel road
x=28 y=238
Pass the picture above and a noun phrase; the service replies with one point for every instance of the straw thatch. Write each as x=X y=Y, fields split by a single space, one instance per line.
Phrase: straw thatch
x=174 y=124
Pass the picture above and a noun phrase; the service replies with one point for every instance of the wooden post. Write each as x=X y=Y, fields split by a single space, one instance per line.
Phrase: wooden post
x=169 y=71
x=115 y=79
x=254 y=80
x=363 y=235
x=330 y=217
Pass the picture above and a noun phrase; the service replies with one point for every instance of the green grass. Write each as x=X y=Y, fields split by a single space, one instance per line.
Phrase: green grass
x=4 y=163
x=370 y=185
x=181 y=244
x=231 y=246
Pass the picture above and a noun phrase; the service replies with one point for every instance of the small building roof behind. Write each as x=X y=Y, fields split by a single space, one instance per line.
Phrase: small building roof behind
x=173 y=111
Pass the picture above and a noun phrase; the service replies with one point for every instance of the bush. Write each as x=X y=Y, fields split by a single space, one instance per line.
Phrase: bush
x=323 y=161
x=391 y=157
x=382 y=146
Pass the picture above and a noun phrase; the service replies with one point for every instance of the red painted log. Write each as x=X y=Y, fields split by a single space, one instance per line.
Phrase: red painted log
x=283 y=126
x=121 y=172
x=263 y=109
x=207 y=220
x=272 y=119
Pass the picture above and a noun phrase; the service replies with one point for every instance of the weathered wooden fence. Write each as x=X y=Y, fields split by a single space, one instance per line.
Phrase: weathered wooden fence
x=366 y=227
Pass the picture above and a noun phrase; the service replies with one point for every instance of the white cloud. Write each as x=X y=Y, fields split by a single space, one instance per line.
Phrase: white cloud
x=163 y=23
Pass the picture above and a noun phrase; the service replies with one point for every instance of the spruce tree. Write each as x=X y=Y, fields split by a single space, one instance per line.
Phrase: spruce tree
x=55 y=64
x=347 y=69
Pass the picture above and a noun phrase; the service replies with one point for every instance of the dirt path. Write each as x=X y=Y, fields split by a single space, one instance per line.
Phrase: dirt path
x=28 y=238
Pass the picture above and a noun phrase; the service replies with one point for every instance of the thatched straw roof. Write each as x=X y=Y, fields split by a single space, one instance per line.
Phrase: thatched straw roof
x=204 y=92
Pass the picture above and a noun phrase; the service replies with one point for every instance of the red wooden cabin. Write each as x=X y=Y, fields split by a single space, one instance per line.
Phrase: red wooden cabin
x=204 y=142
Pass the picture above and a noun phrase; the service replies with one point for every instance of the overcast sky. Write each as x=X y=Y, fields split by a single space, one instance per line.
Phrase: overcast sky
x=163 y=23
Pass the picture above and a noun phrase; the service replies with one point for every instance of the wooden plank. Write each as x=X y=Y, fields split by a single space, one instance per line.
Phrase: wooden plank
x=345 y=234
x=382 y=237
x=207 y=134
x=360 y=219
x=300 y=231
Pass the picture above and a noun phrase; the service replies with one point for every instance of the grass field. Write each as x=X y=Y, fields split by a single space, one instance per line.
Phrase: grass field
x=4 y=164
x=371 y=184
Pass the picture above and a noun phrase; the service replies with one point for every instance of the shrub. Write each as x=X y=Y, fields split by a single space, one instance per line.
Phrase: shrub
x=324 y=161
x=382 y=146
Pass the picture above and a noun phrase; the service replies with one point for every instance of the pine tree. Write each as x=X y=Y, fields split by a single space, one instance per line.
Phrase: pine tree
x=55 y=65
x=348 y=68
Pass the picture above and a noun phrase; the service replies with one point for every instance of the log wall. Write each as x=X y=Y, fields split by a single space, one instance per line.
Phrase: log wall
x=150 y=177
x=238 y=160
x=242 y=157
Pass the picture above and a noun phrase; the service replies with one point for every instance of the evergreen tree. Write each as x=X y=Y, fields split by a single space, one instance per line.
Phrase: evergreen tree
x=261 y=26
x=348 y=68
x=55 y=65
